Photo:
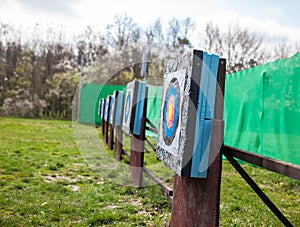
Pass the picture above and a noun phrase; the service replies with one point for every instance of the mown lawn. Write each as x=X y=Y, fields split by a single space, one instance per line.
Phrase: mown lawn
x=44 y=181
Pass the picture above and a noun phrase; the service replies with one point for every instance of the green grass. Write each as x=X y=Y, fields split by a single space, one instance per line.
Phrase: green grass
x=44 y=181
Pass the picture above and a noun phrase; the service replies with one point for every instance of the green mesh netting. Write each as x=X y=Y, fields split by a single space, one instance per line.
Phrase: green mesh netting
x=89 y=101
x=262 y=110
x=153 y=106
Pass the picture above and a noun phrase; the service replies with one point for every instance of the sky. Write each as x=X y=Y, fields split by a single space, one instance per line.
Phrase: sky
x=274 y=19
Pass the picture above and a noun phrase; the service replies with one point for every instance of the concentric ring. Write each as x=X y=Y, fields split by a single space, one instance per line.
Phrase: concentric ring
x=171 y=111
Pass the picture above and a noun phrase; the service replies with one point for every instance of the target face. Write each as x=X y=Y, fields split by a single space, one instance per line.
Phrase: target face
x=99 y=107
x=102 y=108
x=112 y=107
x=127 y=107
x=171 y=111
x=187 y=114
x=107 y=105
x=128 y=104
x=134 y=107
x=118 y=108
x=170 y=120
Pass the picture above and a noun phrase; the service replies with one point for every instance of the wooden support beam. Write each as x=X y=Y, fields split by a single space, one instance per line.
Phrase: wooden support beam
x=258 y=191
x=284 y=168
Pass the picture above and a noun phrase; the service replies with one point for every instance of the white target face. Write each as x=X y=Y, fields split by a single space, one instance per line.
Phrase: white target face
x=128 y=107
x=100 y=108
x=170 y=115
x=111 y=109
x=106 y=109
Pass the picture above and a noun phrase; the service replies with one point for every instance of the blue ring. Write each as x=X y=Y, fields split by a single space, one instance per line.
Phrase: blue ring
x=128 y=103
x=170 y=131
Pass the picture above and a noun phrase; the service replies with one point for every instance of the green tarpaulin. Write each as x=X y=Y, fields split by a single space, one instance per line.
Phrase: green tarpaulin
x=89 y=101
x=153 y=106
x=262 y=110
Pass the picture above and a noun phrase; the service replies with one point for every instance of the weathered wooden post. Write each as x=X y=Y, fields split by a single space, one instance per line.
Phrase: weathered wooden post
x=117 y=113
x=110 y=122
x=101 y=114
x=111 y=137
x=106 y=115
x=191 y=135
x=134 y=125
x=118 y=144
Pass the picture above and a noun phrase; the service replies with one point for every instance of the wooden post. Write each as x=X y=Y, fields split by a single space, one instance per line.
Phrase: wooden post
x=118 y=143
x=111 y=137
x=105 y=137
x=102 y=127
x=137 y=147
x=196 y=200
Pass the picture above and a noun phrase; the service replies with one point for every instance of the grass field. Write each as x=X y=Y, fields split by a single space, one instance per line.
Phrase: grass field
x=44 y=181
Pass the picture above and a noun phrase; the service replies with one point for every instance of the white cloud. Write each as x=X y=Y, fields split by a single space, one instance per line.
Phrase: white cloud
x=270 y=29
x=75 y=14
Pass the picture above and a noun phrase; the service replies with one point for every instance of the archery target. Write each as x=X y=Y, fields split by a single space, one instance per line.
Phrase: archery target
x=128 y=107
x=112 y=107
x=139 y=101
x=169 y=129
x=118 y=113
x=99 y=108
x=106 y=111
x=171 y=112
x=102 y=108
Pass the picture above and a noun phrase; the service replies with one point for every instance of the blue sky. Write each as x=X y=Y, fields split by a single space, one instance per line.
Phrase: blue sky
x=275 y=19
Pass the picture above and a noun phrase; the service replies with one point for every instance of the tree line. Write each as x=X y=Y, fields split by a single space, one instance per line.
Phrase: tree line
x=40 y=71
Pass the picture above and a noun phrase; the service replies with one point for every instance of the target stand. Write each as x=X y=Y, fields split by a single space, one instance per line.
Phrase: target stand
x=99 y=108
x=106 y=118
x=191 y=134
x=117 y=113
x=133 y=124
x=110 y=121
x=101 y=114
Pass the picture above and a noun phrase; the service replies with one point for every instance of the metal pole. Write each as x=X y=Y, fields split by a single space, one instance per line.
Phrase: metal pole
x=144 y=63
x=80 y=85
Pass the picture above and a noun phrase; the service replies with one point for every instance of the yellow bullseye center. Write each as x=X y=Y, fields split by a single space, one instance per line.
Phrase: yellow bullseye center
x=170 y=112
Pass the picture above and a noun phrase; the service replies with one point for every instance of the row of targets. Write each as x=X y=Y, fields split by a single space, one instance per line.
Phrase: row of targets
x=186 y=114
x=126 y=112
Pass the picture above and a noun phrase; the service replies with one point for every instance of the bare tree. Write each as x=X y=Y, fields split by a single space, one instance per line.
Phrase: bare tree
x=123 y=32
x=282 y=49
x=186 y=26
x=241 y=48
x=178 y=32
x=173 y=31
x=297 y=47
x=154 y=32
